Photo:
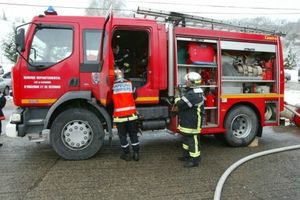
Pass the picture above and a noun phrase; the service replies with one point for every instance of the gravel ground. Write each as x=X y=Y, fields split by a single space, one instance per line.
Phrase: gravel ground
x=34 y=171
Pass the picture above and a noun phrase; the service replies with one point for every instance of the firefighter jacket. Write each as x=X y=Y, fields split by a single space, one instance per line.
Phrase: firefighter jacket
x=2 y=104
x=190 y=108
x=123 y=60
x=123 y=98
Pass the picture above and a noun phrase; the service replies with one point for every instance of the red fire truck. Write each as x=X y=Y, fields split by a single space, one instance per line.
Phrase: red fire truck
x=63 y=78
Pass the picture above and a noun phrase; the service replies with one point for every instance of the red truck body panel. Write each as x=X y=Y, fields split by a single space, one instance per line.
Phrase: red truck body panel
x=45 y=87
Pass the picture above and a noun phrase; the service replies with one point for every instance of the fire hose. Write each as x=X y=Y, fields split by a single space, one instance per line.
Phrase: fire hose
x=218 y=191
x=290 y=109
x=295 y=111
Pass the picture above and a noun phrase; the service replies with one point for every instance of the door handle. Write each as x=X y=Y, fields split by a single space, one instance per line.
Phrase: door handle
x=73 y=82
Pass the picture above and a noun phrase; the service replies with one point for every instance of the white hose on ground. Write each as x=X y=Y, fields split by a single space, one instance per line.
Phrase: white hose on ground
x=293 y=111
x=217 y=195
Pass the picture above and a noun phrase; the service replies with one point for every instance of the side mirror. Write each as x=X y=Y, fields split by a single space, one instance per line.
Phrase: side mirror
x=20 y=40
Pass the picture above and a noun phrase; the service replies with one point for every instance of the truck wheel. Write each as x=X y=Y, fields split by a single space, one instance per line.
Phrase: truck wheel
x=76 y=134
x=241 y=126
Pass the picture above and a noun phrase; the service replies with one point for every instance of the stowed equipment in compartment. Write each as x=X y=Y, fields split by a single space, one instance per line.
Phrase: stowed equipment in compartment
x=200 y=55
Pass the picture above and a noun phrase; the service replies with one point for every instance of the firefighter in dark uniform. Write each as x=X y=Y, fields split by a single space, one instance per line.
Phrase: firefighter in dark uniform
x=125 y=115
x=2 y=117
x=122 y=60
x=190 y=107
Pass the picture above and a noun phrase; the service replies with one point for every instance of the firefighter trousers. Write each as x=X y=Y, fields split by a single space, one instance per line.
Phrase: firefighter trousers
x=128 y=128
x=190 y=144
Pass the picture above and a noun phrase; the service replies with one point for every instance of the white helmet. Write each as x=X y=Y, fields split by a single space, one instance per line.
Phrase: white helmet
x=118 y=73
x=192 y=79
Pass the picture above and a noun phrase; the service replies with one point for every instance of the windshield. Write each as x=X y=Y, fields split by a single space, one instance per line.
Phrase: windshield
x=50 y=46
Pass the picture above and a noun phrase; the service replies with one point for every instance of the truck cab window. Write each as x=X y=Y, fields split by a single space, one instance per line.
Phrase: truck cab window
x=131 y=52
x=50 y=46
x=92 y=40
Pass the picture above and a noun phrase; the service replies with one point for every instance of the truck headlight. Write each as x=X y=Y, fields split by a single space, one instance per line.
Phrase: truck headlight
x=15 y=118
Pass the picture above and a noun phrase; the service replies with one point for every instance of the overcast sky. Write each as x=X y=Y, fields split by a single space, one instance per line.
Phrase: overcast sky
x=219 y=9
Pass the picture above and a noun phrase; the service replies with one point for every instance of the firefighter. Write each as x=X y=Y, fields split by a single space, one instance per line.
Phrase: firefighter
x=190 y=107
x=125 y=115
x=122 y=60
x=2 y=117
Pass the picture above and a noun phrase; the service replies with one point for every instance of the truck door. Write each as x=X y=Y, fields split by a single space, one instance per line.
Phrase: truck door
x=106 y=63
x=53 y=67
x=95 y=73
x=140 y=54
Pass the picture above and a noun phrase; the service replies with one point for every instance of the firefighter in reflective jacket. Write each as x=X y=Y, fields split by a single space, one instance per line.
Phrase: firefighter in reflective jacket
x=190 y=107
x=125 y=115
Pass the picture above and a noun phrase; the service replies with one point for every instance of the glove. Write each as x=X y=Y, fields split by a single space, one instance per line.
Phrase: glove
x=176 y=99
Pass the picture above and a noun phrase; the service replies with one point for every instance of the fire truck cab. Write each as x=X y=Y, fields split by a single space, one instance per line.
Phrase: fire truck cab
x=64 y=75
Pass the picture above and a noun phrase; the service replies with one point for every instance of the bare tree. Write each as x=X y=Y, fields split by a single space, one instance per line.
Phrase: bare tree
x=9 y=47
x=290 y=62
x=100 y=7
x=4 y=16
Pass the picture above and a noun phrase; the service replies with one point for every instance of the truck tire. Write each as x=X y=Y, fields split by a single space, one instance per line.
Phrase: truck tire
x=76 y=134
x=241 y=126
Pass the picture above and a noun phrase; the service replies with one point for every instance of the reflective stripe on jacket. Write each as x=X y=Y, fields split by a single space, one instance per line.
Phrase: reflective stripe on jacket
x=190 y=107
x=125 y=119
x=124 y=105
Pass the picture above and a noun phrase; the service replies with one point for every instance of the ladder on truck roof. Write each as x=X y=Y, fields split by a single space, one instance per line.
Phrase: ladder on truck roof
x=185 y=19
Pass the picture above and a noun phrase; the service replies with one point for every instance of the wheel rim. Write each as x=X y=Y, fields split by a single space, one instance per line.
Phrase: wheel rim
x=77 y=135
x=241 y=126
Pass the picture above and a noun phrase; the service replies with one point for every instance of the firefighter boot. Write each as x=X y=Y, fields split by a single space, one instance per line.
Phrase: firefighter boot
x=136 y=156
x=185 y=156
x=126 y=156
x=192 y=162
